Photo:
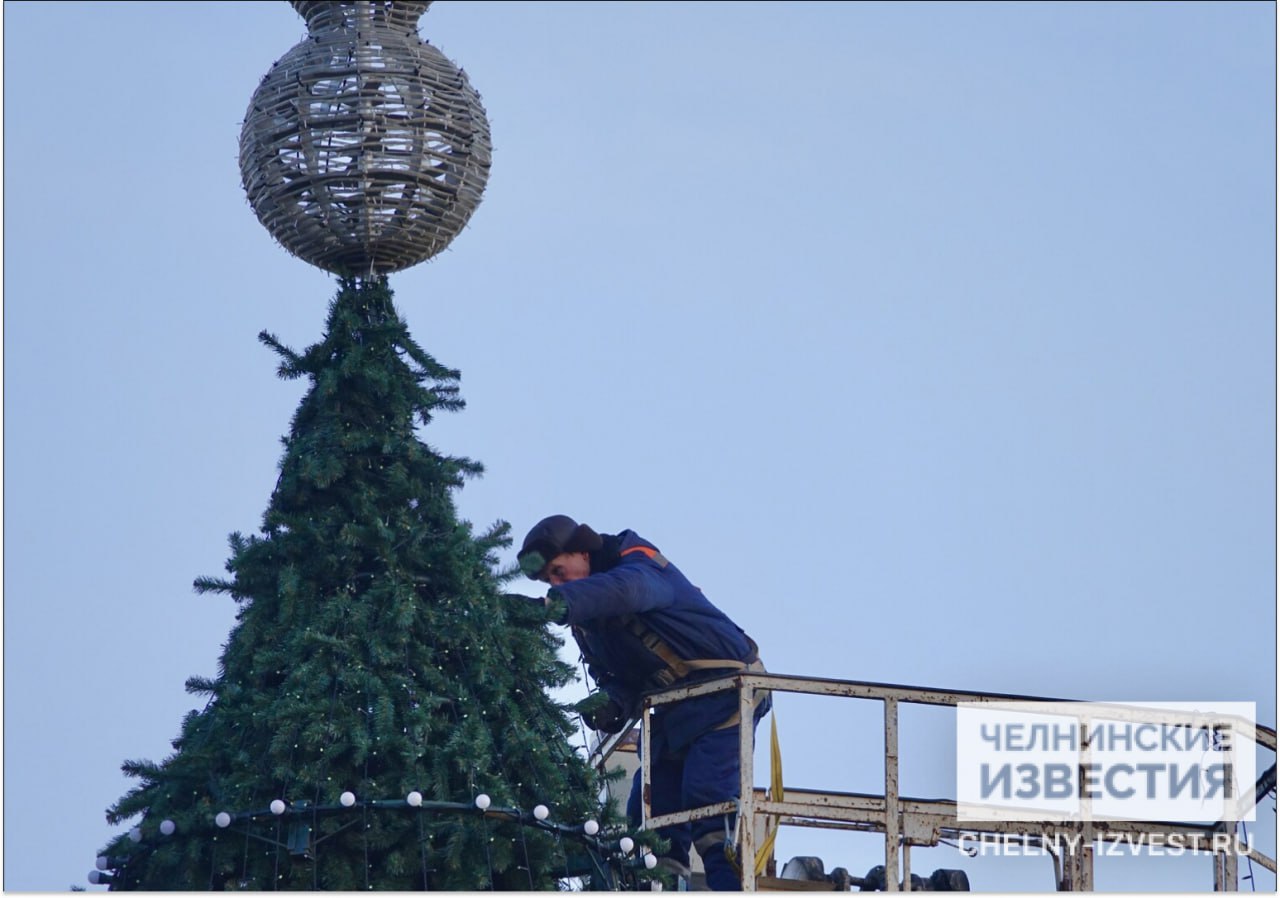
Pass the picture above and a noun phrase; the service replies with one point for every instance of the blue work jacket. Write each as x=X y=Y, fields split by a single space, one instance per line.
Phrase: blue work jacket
x=631 y=579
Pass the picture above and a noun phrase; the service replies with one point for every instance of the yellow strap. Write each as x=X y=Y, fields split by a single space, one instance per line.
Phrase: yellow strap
x=765 y=854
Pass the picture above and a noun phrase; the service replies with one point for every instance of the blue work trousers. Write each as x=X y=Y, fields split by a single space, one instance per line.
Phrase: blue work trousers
x=707 y=772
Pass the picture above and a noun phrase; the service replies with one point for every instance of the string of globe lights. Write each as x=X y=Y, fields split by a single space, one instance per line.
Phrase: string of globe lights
x=615 y=856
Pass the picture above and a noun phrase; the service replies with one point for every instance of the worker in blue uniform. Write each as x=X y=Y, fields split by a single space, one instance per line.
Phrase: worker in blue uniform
x=642 y=626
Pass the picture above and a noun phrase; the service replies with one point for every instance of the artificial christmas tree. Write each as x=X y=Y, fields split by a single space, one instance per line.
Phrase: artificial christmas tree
x=376 y=681
x=381 y=716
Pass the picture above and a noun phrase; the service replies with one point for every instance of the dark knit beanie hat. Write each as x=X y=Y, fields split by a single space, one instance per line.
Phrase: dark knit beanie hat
x=551 y=537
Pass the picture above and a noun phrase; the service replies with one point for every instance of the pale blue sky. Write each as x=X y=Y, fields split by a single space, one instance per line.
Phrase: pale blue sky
x=935 y=342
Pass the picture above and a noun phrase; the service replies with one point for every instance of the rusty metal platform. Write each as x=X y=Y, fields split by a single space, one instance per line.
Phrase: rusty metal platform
x=906 y=822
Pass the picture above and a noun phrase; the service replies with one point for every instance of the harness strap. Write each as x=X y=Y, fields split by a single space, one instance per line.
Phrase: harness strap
x=677 y=668
x=756 y=666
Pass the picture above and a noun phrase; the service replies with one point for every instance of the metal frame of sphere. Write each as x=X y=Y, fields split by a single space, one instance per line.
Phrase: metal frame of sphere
x=364 y=150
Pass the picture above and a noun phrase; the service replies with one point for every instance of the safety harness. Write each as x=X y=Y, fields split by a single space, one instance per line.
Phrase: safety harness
x=678 y=668
x=675 y=667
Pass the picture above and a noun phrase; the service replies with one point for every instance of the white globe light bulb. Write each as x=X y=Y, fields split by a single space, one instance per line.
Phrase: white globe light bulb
x=591 y=827
x=101 y=862
x=95 y=878
x=347 y=799
x=167 y=827
x=277 y=807
x=135 y=834
x=541 y=812
x=482 y=801
x=414 y=799
x=650 y=861
x=223 y=820
x=626 y=843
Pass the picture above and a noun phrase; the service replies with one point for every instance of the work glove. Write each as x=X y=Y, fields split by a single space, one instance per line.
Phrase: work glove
x=557 y=608
x=602 y=713
x=552 y=608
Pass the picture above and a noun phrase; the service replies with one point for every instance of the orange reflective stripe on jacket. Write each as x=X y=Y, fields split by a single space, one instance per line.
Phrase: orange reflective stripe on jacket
x=652 y=554
x=649 y=553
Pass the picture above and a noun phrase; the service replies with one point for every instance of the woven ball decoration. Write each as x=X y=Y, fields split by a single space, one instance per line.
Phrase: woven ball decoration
x=364 y=149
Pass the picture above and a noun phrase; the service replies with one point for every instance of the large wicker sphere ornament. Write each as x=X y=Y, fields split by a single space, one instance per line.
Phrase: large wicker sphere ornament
x=364 y=150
